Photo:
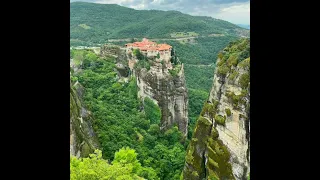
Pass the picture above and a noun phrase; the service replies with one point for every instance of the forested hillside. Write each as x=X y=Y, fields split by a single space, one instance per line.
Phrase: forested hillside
x=95 y=23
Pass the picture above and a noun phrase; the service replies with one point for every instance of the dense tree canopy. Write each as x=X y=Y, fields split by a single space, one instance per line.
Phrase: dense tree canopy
x=125 y=166
x=120 y=123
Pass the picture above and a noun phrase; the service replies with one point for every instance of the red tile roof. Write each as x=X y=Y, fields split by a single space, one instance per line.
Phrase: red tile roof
x=146 y=44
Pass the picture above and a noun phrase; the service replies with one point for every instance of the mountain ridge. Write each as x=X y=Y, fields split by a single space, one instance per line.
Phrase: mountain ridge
x=115 y=21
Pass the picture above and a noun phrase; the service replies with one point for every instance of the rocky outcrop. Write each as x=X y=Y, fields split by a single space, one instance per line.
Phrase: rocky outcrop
x=121 y=58
x=168 y=91
x=83 y=139
x=219 y=148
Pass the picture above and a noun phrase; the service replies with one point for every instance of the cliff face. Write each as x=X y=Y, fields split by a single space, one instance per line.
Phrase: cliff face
x=168 y=91
x=83 y=140
x=121 y=59
x=219 y=148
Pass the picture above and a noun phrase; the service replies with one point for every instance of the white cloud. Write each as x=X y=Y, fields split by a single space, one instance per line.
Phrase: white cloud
x=114 y=1
x=238 y=13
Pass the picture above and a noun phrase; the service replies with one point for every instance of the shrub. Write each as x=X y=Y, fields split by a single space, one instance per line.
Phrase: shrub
x=204 y=121
x=233 y=75
x=154 y=129
x=142 y=64
x=214 y=133
x=220 y=55
x=237 y=99
x=138 y=54
x=174 y=72
x=219 y=63
x=244 y=54
x=223 y=70
x=245 y=63
x=228 y=112
x=74 y=79
x=220 y=119
x=233 y=60
x=204 y=109
x=244 y=80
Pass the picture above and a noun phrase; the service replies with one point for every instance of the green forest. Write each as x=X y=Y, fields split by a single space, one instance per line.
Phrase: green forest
x=93 y=24
x=96 y=23
x=125 y=166
x=203 y=52
x=120 y=123
x=132 y=145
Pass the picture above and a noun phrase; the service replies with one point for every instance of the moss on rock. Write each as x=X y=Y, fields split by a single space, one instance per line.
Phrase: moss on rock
x=221 y=120
x=86 y=150
x=204 y=121
x=219 y=167
x=244 y=80
x=233 y=63
x=228 y=112
x=233 y=60
x=245 y=64
x=233 y=75
x=223 y=70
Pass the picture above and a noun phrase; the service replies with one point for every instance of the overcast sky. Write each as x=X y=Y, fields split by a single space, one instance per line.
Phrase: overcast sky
x=234 y=11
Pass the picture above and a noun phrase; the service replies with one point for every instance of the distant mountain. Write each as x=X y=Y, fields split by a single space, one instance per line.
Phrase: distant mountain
x=246 y=26
x=99 y=22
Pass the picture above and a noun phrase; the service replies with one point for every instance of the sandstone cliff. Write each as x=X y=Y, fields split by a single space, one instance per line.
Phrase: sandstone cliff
x=83 y=140
x=219 y=148
x=167 y=88
x=121 y=58
x=168 y=91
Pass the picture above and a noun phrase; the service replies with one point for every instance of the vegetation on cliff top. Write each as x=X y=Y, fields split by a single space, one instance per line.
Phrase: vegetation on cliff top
x=209 y=154
x=235 y=53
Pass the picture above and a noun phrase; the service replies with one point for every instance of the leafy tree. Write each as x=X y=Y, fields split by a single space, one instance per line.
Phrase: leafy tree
x=94 y=167
x=127 y=156
x=152 y=110
x=138 y=54
x=154 y=129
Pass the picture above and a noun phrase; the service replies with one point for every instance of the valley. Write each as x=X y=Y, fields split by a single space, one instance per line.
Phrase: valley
x=151 y=83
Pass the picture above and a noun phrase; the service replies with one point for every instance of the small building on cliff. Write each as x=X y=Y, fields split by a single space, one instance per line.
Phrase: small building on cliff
x=161 y=52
